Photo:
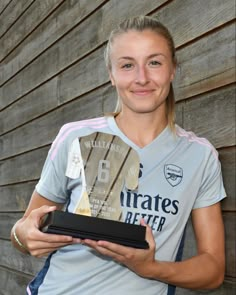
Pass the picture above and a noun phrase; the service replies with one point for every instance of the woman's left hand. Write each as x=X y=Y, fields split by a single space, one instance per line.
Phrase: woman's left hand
x=138 y=260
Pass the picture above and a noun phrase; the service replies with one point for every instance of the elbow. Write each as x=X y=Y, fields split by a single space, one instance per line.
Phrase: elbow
x=217 y=271
x=219 y=274
x=217 y=279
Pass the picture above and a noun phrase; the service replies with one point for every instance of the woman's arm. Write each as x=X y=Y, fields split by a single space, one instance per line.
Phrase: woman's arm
x=25 y=234
x=206 y=269
x=203 y=271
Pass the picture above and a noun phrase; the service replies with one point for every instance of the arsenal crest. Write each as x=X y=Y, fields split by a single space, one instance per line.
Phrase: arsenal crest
x=173 y=174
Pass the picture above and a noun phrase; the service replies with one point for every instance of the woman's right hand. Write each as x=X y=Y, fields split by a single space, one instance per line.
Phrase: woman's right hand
x=37 y=243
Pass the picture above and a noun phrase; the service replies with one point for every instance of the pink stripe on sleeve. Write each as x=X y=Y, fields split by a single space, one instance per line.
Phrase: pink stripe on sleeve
x=193 y=138
x=96 y=123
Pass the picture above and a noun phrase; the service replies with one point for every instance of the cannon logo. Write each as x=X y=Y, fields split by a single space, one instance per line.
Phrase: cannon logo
x=173 y=174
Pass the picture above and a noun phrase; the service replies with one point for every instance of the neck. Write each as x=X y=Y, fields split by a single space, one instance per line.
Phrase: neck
x=141 y=129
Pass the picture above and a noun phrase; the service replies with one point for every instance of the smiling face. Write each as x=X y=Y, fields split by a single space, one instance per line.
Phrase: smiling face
x=141 y=70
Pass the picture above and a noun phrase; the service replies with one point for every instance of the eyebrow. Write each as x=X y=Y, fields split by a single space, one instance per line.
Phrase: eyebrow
x=150 y=56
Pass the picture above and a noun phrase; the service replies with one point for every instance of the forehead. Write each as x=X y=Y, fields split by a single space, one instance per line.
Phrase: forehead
x=137 y=42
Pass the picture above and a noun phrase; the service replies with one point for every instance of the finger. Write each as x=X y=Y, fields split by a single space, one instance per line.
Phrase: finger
x=111 y=249
x=149 y=234
x=143 y=222
x=50 y=246
x=105 y=248
x=38 y=214
x=42 y=252
x=41 y=211
x=52 y=238
x=150 y=238
x=45 y=250
x=102 y=244
x=41 y=247
x=38 y=240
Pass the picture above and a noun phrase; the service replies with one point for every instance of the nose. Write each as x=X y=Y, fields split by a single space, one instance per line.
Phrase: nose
x=141 y=76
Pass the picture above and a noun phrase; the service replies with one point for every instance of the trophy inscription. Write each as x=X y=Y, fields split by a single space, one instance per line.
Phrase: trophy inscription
x=109 y=164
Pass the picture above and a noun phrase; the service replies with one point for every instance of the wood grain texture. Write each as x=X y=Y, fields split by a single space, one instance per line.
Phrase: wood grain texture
x=212 y=115
x=228 y=161
x=47 y=33
x=17 y=261
x=36 y=103
x=12 y=281
x=7 y=220
x=20 y=140
x=13 y=11
x=15 y=198
x=206 y=64
x=26 y=167
x=205 y=16
x=33 y=16
x=230 y=235
x=82 y=77
x=3 y=5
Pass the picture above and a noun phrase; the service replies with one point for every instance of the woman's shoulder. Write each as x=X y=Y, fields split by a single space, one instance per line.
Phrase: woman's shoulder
x=202 y=143
x=72 y=130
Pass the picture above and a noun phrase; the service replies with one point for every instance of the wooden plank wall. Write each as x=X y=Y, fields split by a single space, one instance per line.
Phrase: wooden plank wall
x=52 y=72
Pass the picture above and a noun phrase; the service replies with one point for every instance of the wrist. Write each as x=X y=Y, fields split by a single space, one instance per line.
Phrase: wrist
x=18 y=242
x=150 y=270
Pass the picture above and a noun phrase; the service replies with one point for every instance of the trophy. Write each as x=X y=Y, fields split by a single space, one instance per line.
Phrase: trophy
x=105 y=164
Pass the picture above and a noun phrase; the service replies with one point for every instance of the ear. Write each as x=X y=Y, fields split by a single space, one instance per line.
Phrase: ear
x=172 y=76
x=112 y=79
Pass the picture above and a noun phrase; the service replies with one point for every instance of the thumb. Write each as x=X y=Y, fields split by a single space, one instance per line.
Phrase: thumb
x=149 y=235
x=39 y=214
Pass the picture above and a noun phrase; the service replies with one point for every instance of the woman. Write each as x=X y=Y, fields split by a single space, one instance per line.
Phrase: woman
x=179 y=175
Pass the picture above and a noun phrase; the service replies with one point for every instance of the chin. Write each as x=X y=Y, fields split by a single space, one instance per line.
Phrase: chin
x=144 y=111
x=149 y=109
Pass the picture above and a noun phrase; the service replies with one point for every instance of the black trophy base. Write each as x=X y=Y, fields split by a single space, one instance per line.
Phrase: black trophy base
x=86 y=227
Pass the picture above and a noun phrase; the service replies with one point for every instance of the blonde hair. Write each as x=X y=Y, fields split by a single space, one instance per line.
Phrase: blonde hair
x=141 y=23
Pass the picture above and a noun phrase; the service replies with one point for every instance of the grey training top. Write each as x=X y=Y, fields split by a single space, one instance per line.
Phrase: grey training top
x=177 y=173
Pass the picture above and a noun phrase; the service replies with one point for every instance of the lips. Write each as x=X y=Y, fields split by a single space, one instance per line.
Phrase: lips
x=142 y=92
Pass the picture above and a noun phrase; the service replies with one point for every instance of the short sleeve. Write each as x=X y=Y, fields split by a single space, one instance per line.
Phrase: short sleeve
x=212 y=188
x=53 y=181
